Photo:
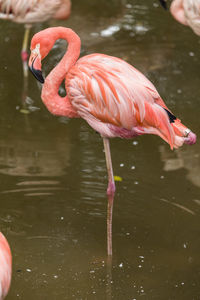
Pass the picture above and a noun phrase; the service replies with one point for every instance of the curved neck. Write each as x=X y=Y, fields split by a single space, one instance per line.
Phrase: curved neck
x=54 y=102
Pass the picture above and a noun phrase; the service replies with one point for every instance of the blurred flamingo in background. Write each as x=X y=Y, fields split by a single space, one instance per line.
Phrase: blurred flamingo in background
x=5 y=266
x=187 y=12
x=33 y=11
x=112 y=96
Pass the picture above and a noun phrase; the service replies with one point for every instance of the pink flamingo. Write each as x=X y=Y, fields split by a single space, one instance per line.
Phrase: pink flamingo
x=29 y=12
x=187 y=12
x=112 y=96
x=5 y=266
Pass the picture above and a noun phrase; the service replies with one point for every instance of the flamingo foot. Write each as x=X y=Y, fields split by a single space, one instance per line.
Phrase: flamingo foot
x=111 y=188
x=191 y=138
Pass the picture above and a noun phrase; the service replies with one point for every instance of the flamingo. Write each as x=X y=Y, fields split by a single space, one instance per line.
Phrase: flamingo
x=33 y=11
x=187 y=12
x=5 y=266
x=113 y=97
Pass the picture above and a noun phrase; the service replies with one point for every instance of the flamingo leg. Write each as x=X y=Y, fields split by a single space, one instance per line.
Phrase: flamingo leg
x=24 y=52
x=109 y=278
x=111 y=182
x=110 y=193
x=109 y=225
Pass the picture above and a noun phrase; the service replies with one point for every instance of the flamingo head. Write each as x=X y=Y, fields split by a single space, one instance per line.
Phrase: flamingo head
x=35 y=63
x=41 y=45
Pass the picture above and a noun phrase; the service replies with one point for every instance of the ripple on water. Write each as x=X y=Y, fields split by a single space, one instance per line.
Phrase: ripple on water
x=42 y=188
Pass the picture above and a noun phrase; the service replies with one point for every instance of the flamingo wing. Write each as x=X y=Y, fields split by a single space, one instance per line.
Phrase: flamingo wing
x=111 y=94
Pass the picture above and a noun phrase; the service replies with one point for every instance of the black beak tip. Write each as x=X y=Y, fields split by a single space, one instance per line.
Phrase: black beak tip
x=37 y=74
x=163 y=3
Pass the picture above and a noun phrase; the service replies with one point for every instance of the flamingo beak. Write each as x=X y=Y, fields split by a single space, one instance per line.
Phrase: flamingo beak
x=163 y=3
x=35 y=64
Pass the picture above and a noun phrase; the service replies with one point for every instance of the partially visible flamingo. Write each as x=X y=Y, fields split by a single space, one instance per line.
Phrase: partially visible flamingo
x=29 y=12
x=187 y=12
x=112 y=96
x=5 y=266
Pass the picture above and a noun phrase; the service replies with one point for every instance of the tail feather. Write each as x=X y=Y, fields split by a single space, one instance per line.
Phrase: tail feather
x=160 y=121
x=179 y=128
x=157 y=122
x=172 y=118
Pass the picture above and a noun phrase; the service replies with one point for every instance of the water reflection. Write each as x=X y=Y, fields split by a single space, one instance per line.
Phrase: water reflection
x=183 y=158
x=24 y=155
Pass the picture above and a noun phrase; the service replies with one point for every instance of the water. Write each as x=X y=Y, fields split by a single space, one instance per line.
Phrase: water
x=53 y=180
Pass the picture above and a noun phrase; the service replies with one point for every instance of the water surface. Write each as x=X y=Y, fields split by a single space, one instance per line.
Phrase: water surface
x=53 y=179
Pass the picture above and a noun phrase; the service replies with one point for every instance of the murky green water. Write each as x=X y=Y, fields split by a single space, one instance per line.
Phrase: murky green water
x=53 y=176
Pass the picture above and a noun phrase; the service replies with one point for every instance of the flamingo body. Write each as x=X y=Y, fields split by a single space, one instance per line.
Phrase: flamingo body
x=111 y=95
x=187 y=12
x=117 y=100
x=5 y=266
x=192 y=14
x=34 y=11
